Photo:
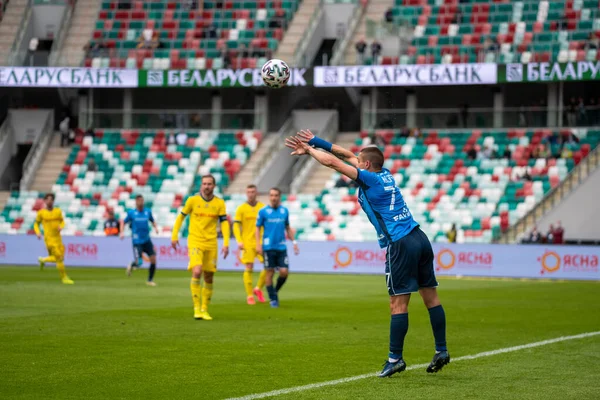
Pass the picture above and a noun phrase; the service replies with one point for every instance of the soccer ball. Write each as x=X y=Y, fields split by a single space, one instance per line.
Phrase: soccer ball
x=275 y=73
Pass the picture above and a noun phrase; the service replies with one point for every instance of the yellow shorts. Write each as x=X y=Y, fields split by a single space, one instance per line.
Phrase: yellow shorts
x=56 y=249
x=207 y=258
x=249 y=255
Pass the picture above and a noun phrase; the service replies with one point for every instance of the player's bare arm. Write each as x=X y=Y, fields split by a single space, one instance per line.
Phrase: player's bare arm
x=155 y=227
x=259 y=249
x=325 y=159
x=292 y=235
x=343 y=154
x=122 y=228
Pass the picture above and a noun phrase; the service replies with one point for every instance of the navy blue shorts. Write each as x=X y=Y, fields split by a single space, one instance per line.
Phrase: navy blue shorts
x=409 y=264
x=276 y=259
x=143 y=248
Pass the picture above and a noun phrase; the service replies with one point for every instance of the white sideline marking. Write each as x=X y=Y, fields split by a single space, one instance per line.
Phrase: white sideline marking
x=280 y=392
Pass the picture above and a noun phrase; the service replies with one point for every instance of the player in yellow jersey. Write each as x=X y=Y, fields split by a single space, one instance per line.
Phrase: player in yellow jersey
x=52 y=222
x=244 y=228
x=205 y=210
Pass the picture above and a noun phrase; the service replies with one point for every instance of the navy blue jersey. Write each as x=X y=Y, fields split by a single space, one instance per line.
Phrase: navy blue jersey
x=274 y=221
x=140 y=224
x=384 y=205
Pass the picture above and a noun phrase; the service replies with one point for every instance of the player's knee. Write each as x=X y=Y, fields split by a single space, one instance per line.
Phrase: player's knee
x=249 y=268
x=283 y=272
x=399 y=304
x=197 y=272
x=208 y=277
x=430 y=297
x=153 y=259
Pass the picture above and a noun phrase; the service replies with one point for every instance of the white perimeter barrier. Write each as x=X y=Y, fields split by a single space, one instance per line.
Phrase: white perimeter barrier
x=492 y=260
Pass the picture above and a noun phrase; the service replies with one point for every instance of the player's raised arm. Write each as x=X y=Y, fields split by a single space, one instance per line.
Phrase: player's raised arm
x=325 y=159
x=343 y=154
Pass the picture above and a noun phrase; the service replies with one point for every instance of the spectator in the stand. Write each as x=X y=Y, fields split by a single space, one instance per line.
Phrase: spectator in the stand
x=558 y=234
x=124 y=5
x=96 y=50
x=593 y=111
x=415 y=132
x=389 y=16
x=190 y=5
x=472 y=153
x=376 y=139
x=111 y=225
x=148 y=40
x=464 y=115
x=543 y=151
x=196 y=120
x=171 y=138
x=457 y=17
x=572 y=112
x=181 y=121
x=549 y=235
x=33 y=46
x=488 y=153
x=535 y=154
x=535 y=236
x=243 y=51
x=90 y=132
x=581 y=112
x=405 y=132
x=506 y=153
x=451 y=234
x=64 y=128
x=592 y=42
x=522 y=116
x=375 y=51
x=361 y=47
x=563 y=24
x=92 y=166
x=181 y=138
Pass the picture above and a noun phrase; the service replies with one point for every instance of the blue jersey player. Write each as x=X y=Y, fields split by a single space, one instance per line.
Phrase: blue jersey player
x=274 y=222
x=409 y=258
x=139 y=219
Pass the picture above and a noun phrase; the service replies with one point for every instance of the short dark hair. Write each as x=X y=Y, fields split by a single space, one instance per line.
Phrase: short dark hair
x=210 y=176
x=251 y=186
x=139 y=196
x=49 y=195
x=374 y=155
x=276 y=189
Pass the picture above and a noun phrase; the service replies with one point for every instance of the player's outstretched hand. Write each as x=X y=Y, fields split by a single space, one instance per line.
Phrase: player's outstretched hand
x=225 y=251
x=39 y=236
x=175 y=244
x=122 y=235
x=241 y=246
x=296 y=249
x=300 y=148
x=305 y=135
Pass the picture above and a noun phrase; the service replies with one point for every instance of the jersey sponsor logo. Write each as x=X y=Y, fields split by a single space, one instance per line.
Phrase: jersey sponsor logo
x=447 y=259
x=2 y=249
x=551 y=262
x=345 y=257
x=82 y=251
x=199 y=215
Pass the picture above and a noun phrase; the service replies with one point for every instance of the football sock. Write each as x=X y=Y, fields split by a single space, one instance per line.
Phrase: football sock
x=261 y=279
x=196 y=292
x=398 y=329
x=280 y=282
x=60 y=266
x=151 y=272
x=49 y=259
x=272 y=292
x=437 y=317
x=248 y=282
x=207 y=292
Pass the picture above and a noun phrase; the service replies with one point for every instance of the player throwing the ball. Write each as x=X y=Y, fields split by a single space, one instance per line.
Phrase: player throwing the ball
x=409 y=259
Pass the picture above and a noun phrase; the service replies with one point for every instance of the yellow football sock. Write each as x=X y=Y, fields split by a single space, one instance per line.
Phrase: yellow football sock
x=49 y=259
x=60 y=266
x=248 y=282
x=207 y=292
x=196 y=292
x=261 y=279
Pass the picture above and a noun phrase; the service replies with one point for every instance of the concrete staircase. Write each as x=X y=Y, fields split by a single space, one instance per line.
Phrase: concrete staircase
x=375 y=11
x=83 y=22
x=248 y=173
x=321 y=175
x=295 y=32
x=51 y=166
x=9 y=27
x=4 y=195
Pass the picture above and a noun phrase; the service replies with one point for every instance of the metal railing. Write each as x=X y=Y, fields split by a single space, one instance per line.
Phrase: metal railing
x=300 y=59
x=286 y=130
x=57 y=44
x=36 y=153
x=10 y=59
x=176 y=119
x=340 y=46
x=304 y=167
x=579 y=174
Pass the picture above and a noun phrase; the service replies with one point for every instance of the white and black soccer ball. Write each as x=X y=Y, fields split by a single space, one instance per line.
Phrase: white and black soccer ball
x=275 y=73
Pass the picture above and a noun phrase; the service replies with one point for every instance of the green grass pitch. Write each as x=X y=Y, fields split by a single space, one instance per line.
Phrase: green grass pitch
x=111 y=337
